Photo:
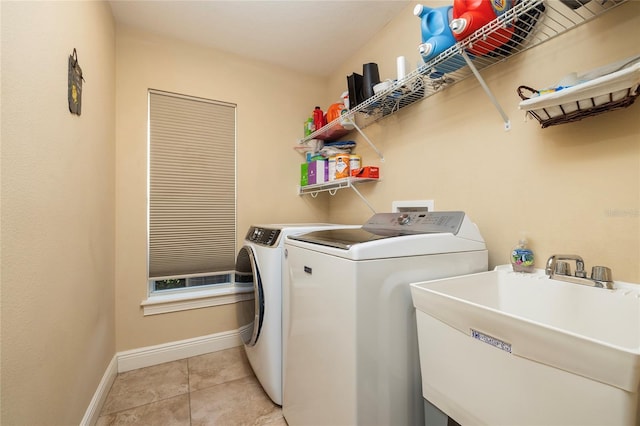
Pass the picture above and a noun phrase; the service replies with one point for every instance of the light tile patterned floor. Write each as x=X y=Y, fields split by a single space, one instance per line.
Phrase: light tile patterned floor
x=212 y=389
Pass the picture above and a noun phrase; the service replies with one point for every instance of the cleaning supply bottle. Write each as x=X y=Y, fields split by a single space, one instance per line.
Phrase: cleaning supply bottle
x=471 y=15
x=345 y=101
x=522 y=257
x=309 y=127
x=318 y=118
x=334 y=111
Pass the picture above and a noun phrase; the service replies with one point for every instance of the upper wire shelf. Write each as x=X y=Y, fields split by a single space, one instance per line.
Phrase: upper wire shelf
x=535 y=21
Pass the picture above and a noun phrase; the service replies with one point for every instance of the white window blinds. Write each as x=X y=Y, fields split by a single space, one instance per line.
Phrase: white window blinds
x=192 y=185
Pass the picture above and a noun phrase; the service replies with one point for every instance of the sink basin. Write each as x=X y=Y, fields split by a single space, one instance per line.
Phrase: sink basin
x=502 y=347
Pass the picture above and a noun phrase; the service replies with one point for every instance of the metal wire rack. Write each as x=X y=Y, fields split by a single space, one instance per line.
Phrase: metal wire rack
x=535 y=22
x=578 y=110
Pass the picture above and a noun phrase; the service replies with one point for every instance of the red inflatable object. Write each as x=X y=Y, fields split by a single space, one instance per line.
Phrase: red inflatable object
x=471 y=15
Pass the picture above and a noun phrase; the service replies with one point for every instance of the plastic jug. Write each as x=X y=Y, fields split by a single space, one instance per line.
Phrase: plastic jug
x=334 y=111
x=437 y=37
x=471 y=15
x=318 y=118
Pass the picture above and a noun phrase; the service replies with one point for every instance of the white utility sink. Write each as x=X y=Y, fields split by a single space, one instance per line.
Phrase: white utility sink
x=502 y=347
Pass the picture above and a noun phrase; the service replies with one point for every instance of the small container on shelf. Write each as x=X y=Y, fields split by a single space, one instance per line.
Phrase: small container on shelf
x=355 y=161
x=304 y=174
x=370 y=172
x=342 y=166
x=332 y=168
x=309 y=127
x=318 y=172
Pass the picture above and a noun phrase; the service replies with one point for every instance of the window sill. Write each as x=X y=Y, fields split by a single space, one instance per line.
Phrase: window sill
x=162 y=304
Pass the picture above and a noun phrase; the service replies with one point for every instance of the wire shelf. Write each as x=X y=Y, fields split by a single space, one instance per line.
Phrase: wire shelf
x=575 y=111
x=608 y=88
x=333 y=185
x=535 y=22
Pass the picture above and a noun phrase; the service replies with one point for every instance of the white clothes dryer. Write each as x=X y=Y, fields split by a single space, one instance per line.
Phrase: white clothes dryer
x=350 y=343
x=259 y=266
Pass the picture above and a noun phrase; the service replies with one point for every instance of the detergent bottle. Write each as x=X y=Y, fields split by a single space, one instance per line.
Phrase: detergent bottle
x=318 y=118
x=335 y=111
x=471 y=15
x=437 y=37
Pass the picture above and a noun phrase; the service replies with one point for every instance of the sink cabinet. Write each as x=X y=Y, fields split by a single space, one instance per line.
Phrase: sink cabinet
x=503 y=347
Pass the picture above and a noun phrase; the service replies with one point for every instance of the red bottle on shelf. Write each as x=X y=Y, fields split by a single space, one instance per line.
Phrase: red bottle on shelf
x=318 y=118
x=471 y=15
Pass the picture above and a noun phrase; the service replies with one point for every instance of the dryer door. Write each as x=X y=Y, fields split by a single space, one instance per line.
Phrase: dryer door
x=247 y=273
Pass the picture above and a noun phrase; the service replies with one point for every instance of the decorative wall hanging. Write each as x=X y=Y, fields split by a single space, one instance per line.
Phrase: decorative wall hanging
x=74 y=94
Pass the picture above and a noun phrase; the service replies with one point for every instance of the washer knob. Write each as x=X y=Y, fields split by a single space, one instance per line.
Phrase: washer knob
x=404 y=219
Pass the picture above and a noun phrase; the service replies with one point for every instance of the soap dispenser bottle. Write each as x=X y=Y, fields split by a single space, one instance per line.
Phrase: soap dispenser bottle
x=522 y=257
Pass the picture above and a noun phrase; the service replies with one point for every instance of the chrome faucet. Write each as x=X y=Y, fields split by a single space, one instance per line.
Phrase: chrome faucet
x=560 y=270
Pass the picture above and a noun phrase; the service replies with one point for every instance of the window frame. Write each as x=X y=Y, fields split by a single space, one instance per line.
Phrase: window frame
x=192 y=297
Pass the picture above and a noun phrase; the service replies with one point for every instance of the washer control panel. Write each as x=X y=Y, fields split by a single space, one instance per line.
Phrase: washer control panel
x=415 y=223
x=263 y=236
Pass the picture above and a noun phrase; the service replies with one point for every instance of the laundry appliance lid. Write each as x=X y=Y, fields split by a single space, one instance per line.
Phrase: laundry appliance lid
x=399 y=234
x=338 y=238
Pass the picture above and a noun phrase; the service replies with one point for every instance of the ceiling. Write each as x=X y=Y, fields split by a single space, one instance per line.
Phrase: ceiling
x=311 y=36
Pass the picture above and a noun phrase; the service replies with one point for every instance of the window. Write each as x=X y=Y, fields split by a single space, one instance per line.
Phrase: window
x=191 y=193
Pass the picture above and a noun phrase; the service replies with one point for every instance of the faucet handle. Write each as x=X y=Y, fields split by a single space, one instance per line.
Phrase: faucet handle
x=562 y=268
x=601 y=273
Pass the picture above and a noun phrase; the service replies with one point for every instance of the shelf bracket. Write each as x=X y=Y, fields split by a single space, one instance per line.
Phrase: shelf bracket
x=492 y=98
x=362 y=197
x=332 y=188
x=353 y=123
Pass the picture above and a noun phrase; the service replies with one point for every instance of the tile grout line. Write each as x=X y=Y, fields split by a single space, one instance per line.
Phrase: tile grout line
x=142 y=405
x=190 y=365
x=188 y=392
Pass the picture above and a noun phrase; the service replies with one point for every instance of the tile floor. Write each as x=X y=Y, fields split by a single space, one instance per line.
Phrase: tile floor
x=212 y=389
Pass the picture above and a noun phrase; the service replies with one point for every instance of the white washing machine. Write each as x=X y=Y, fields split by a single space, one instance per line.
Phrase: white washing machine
x=349 y=329
x=259 y=265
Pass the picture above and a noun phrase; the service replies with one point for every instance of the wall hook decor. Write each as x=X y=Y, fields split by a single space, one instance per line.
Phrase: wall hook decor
x=74 y=94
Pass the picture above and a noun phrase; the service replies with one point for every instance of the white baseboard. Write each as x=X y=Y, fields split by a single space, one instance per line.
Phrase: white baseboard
x=95 y=406
x=172 y=351
x=153 y=355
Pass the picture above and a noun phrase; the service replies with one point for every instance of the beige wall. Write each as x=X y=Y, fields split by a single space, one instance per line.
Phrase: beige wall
x=272 y=104
x=573 y=188
x=58 y=332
